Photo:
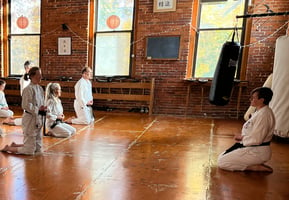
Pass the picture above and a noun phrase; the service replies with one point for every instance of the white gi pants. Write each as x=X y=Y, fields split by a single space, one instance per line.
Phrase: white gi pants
x=6 y=113
x=84 y=114
x=62 y=130
x=241 y=158
x=18 y=121
x=32 y=142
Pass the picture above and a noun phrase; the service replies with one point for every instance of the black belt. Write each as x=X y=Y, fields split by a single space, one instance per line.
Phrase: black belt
x=262 y=144
x=56 y=122
x=42 y=112
x=239 y=145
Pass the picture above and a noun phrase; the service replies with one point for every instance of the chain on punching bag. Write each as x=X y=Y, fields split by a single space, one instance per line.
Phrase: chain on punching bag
x=223 y=80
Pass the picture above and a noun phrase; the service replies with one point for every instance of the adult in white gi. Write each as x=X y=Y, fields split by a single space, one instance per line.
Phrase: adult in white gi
x=33 y=104
x=54 y=114
x=252 y=149
x=83 y=99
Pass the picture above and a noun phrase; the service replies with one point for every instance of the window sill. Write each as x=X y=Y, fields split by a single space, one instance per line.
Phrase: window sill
x=208 y=82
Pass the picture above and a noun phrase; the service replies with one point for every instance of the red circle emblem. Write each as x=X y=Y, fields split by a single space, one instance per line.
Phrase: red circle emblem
x=113 y=21
x=22 y=22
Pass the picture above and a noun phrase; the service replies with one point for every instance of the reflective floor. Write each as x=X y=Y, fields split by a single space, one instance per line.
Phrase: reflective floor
x=131 y=156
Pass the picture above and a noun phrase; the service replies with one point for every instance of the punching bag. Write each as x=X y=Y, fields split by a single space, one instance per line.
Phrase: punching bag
x=223 y=79
x=280 y=81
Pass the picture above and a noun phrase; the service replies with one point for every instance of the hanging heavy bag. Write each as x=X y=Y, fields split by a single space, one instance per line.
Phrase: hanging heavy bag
x=223 y=80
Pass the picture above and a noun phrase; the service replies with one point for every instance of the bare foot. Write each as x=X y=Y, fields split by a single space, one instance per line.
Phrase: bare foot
x=268 y=168
x=9 y=121
x=260 y=168
x=69 y=120
x=49 y=133
x=13 y=144
x=5 y=149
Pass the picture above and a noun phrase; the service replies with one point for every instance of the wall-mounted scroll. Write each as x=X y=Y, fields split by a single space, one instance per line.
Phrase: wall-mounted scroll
x=164 y=5
x=163 y=47
x=64 y=46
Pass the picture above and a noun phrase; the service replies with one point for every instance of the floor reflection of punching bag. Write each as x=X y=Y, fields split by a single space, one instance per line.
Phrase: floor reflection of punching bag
x=223 y=80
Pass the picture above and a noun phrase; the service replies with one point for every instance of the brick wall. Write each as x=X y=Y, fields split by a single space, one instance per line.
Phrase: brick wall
x=261 y=54
x=74 y=13
x=171 y=92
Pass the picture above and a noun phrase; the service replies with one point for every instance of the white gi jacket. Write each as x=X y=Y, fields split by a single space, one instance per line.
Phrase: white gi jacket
x=83 y=94
x=259 y=128
x=23 y=84
x=54 y=109
x=32 y=99
x=3 y=104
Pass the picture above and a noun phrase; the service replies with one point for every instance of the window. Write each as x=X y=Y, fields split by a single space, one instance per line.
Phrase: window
x=24 y=35
x=217 y=21
x=113 y=36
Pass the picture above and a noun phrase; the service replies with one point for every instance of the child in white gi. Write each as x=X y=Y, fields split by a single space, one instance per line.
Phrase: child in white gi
x=252 y=148
x=83 y=99
x=54 y=114
x=33 y=104
x=24 y=81
x=4 y=108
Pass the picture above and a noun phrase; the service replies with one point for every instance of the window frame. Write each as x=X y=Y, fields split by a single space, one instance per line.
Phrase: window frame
x=241 y=68
x=93 y=34
x=5 y=67
x=7 y=42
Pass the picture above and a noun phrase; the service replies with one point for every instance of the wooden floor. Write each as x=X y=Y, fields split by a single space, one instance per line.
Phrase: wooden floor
x=139 y=157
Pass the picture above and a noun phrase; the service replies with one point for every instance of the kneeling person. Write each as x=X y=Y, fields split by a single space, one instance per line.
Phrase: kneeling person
x=54 y=114
x=83 y=99
x=252 y=148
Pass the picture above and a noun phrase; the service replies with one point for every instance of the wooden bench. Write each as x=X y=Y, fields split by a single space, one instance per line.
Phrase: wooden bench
x=122 y=90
